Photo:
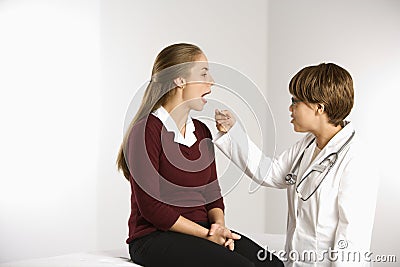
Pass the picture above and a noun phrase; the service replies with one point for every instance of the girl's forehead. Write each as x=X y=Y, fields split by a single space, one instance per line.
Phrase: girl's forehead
x=200 y=66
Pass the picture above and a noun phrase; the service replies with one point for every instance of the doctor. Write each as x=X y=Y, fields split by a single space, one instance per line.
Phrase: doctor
x=331 y=184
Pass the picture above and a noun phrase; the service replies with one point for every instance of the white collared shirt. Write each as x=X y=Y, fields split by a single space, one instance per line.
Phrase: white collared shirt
x=189 y=139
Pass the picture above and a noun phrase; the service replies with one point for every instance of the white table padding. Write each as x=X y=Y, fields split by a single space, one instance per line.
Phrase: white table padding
x=86 y=259
x=121 y=257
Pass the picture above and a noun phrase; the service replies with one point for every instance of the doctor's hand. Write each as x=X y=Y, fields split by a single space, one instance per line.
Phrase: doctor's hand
x=223 y=236
x=224 y=120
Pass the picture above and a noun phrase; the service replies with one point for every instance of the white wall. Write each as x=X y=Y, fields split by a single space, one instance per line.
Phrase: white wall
x=49 y=106
x=132 y=34
x=363 y=37
x=69 y=70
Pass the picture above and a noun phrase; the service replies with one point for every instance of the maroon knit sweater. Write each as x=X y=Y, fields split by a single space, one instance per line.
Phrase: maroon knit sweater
x=169 y=179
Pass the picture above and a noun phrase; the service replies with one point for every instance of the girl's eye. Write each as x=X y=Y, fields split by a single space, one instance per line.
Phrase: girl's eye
x=204 y=75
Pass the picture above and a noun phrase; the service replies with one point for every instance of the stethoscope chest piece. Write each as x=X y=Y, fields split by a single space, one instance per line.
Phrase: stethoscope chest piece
x=290 y=178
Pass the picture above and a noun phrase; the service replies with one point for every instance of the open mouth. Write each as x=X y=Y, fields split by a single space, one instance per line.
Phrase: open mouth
x=203 y=95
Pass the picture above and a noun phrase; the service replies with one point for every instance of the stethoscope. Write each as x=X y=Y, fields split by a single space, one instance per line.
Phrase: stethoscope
x=291 y=177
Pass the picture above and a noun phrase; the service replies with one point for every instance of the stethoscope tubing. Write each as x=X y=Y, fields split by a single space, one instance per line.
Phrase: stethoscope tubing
x=292 y=177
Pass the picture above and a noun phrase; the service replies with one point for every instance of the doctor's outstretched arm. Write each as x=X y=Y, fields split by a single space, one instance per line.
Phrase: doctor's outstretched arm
x=238 y=147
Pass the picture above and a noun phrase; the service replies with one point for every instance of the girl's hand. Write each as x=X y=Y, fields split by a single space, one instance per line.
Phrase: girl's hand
x=230 y=244
x=217 y=236
x=224 y=236
x=224 y=120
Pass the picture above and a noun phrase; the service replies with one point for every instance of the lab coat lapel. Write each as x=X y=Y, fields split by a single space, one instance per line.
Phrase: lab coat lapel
x=333 y=146
x=303 y=169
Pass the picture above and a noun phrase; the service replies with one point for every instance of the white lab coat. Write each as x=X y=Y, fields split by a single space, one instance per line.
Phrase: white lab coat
x=339 y=216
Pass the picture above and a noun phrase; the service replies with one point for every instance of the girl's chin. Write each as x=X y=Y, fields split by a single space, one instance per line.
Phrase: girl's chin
x=198 y=105
x=198 y=108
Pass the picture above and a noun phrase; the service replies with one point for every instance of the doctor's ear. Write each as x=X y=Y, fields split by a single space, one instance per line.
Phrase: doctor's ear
x=180 y=82
x=320 y=108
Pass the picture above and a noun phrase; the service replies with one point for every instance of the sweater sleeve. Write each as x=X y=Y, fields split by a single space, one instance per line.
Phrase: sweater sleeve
x=219 y=202
x=213 y=190
x=142 y=155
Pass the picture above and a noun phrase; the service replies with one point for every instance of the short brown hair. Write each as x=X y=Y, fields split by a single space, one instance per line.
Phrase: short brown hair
x=327 y=84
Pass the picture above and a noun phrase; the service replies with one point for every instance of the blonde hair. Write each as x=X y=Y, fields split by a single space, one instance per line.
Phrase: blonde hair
x=327 y=84
x=167 y=66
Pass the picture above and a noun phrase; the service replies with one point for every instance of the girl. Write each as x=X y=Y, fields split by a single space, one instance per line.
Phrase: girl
x=177 y=212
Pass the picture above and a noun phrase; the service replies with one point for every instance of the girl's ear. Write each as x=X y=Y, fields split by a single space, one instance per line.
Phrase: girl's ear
x=180 y=82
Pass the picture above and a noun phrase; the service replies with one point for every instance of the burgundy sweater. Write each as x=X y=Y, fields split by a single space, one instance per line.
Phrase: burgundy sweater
x=169 y=179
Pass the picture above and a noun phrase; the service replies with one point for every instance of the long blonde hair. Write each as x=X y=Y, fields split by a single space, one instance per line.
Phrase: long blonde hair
x=160 y=89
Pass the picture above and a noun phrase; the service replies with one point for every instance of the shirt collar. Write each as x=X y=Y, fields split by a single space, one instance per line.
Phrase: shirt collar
x=169 y=124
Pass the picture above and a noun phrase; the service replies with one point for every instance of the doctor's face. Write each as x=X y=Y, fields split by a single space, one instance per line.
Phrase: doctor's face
x=303 y=115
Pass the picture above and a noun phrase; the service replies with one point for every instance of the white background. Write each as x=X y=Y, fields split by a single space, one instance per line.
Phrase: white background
x=68 y=70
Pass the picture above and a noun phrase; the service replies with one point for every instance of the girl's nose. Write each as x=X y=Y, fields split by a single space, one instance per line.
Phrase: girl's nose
x=211 y=80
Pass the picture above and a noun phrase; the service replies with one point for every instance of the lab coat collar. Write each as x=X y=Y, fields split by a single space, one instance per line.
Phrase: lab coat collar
x=189 y=139
x=341 y=136
x=333 y=145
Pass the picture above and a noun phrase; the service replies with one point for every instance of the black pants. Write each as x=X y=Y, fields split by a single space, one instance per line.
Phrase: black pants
x=164 y=249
